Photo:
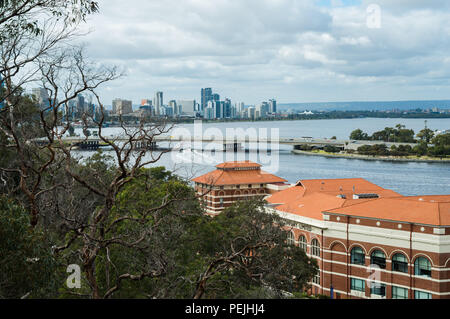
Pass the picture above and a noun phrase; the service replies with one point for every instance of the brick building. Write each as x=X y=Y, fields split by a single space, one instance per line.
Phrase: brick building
x=349 y=224
x=233 y=181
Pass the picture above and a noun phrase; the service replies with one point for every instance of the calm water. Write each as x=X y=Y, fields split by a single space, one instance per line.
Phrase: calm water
x=407 y=178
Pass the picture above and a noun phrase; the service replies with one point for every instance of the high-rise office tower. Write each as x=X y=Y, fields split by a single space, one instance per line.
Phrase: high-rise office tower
x=207 y=95
x=42 y=97
x=216 y=97
x=80 y=104
x=263 y=109
x=173 y=104
x=158 y=102
x=187 y=107
x=272 y=106
x=227 y=108
x=122 y=107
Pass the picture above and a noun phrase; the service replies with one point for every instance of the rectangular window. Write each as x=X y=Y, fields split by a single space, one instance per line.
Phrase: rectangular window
x=400 y=266
x=399 y=293
x=421 y=295
x=378 y=289
x=358 y=284
x=316 y=279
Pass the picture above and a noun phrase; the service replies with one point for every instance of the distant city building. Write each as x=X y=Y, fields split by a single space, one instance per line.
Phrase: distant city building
x=42 y=97
x=272 y=106
x=187 y=107
x=227 y=108
x=158 y=102
x=251 y=112
x=262 y=110
x=145 y=102
x=122 y=107
x=176 y=109
x=216 y=97
x=206 y=95
x=209 y=111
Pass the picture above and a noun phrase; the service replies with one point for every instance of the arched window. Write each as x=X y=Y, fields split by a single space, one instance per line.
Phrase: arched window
x=378 y=258
x=302 y=242
x=399 y=263
x=291 y=238
x=357 y=256
x=315 y=248
x=422 y=267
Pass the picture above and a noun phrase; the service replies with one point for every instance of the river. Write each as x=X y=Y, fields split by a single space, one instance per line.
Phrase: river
x=406 y=178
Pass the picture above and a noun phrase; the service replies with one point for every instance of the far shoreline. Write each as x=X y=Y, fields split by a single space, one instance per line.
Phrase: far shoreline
x=373 y=158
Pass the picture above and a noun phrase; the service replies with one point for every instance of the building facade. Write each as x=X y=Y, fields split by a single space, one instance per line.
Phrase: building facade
x=122 y=107
x=369 y=242
x=233 y=181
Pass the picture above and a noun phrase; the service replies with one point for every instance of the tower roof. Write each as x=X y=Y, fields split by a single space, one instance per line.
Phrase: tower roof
x=237 y=173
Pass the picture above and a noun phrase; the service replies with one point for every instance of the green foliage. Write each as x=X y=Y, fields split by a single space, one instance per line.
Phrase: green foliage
x=373 y=150
x=398 y=134
x=332 y=149
x=441 y=145
x=358 y=134
x=26 y=262
x=425 y=135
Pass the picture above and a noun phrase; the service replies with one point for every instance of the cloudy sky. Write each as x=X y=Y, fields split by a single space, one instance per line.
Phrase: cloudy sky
x=291 y=50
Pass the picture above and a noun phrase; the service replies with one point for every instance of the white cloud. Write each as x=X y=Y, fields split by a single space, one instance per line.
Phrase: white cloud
x=288 y=49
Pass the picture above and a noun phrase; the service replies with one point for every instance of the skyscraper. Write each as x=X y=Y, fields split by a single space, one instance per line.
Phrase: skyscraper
x=272 y=106
x=206 y=96
x=158 y=102
x=227 y=108
x=42 y=97
x=122 y=107
x=187 y=107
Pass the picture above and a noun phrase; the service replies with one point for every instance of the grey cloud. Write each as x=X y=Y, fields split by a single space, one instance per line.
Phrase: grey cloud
x=269 y=45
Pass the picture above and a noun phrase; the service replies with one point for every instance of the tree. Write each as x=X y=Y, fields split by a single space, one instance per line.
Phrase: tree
x=425 y=135
x=358 y=134
x=441 y=145
x=26 y=262
x=248 y=250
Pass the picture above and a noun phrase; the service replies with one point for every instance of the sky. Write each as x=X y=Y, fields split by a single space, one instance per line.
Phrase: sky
x=290 y=50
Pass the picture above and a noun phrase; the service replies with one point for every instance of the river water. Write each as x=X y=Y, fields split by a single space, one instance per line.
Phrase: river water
x=406 y=178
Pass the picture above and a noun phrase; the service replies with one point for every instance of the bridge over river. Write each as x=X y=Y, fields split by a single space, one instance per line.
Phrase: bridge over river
x=229 y=144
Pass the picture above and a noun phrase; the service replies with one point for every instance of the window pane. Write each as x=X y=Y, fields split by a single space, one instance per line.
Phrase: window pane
x=357 y=284
x=421 y=295
x=378 y=289
x=422 y=267
x=357 y=256
x=399 y=293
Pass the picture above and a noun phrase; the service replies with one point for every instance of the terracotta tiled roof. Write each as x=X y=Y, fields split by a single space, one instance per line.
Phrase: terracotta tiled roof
x=238 y=164
x=230 y=177
x=429 y=210
x=341 y=185
x=331 y=187
x=312 y=205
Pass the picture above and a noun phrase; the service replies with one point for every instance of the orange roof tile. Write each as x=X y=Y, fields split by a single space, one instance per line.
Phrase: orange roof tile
x=312 y=205
x=429 y=210
x=238 y=164
x=221 y=177
x=343 y=185
x=329 y=186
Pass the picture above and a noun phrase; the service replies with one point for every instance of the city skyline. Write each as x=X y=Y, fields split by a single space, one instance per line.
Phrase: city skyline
x=297 y=51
